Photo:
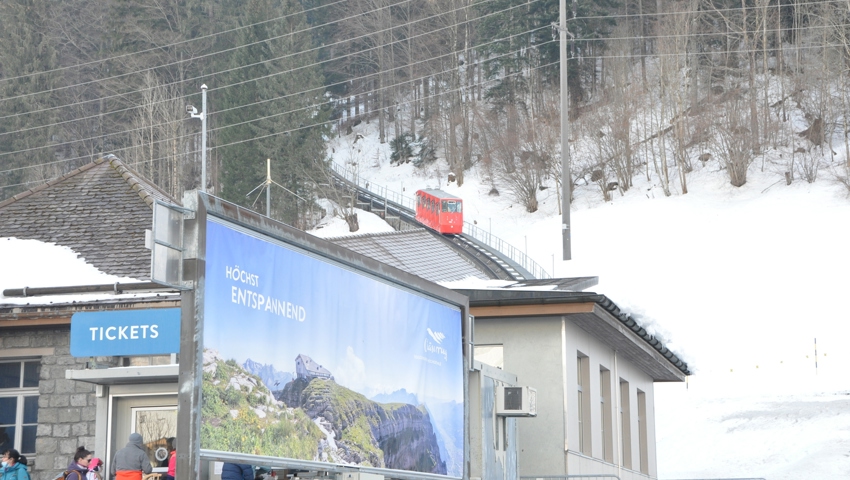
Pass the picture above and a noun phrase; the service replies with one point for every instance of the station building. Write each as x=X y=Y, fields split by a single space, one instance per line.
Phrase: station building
x=592 y=367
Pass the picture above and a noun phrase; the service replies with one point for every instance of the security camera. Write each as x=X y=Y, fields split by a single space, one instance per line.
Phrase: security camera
x=191 y=110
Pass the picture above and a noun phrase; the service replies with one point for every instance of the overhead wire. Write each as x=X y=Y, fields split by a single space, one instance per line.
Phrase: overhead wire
x=323 y=87
x=292 y=130
x=204 y=37
x=642 y=37
x=159 y=48
x=406 y=66
x=584 y=57
x=719 y=10
x=607 y=39
x=184 y=81
x=288 y=112
x=284 y=72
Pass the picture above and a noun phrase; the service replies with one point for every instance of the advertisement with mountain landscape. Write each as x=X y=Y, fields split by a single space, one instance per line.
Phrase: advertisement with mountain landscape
x=307 y=359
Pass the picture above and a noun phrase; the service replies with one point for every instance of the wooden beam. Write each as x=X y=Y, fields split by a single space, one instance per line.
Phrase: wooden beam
x=35 y=322
x=531 y=310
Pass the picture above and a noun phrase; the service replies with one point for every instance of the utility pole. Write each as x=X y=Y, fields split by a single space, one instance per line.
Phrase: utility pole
x=193 y=112
x=269 y=187
x=566 y=176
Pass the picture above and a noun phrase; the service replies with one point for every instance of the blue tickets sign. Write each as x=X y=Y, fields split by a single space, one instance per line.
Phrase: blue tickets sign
x=153 y=331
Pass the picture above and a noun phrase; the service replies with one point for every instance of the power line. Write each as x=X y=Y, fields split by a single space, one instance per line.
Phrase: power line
x=161 y=47
x=647 y=37
x=360 y=52
x=406 y=66
x=305 y=127
x=759 y=32
x=583 y=57
x=324 y=87
x=306 y=108
x=679 y=12
x=303 y=31
x=644 y=37
x=182 y=42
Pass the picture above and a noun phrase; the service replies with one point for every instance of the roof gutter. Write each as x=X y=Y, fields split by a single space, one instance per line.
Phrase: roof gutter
x=499 y=298
x=632 y=325
x=116 y=288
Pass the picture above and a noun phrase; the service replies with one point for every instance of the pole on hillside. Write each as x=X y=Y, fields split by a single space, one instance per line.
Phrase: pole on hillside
x=267 y=184
x=816 y=355
x=566 y=177
x=269 y=187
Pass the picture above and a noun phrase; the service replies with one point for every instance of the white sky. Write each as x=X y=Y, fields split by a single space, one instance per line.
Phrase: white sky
x=739 y=282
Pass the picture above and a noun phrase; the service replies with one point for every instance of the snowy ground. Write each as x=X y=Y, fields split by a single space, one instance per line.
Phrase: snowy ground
x=739 y=282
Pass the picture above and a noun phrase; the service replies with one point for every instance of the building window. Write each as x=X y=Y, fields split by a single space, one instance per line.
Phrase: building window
x=625 y=425
x=642 y=433
x=607 y=414
x=19 y=404
x=493 y=355
x=583 y=397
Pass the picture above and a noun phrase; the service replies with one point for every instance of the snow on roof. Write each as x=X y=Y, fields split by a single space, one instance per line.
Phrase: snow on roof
x=32 y=263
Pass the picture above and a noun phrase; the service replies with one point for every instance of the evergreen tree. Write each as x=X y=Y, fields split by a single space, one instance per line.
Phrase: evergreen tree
x=271 y=106
x=25 y=95
x=515 y=35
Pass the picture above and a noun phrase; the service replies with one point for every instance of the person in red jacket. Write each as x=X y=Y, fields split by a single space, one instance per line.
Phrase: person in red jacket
x=172 y=458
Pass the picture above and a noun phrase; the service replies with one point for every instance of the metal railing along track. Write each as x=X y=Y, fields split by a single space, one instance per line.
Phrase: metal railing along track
x=511 y=257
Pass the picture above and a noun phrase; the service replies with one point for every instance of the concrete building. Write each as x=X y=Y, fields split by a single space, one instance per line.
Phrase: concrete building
x=594 y=369
x=60 y=401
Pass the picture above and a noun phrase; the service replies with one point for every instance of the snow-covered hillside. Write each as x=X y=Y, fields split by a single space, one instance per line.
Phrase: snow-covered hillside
x=740 y=282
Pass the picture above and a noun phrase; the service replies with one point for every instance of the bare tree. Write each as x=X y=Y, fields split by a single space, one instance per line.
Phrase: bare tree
x=733 y=141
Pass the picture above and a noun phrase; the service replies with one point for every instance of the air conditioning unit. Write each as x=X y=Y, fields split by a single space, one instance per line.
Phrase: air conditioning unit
x=516 y=401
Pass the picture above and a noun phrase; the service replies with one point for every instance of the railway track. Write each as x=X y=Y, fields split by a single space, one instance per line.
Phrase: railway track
x=497 y=264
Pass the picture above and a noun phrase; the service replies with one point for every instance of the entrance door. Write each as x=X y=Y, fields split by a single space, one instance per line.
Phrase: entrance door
x=154 y=418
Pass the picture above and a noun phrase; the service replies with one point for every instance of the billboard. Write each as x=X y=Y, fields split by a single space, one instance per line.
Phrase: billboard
x=307 y=359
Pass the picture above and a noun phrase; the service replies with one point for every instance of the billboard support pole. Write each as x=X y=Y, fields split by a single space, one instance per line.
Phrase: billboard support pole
x=191 y=343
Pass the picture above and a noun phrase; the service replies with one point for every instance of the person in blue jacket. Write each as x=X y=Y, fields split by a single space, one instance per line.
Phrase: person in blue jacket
x=13 y=469
x=235 y=471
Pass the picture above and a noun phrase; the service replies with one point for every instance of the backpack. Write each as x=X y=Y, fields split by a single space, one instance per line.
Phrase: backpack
x=66 y=475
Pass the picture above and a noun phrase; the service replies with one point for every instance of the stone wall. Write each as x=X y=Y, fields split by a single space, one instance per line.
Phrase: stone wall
x=66 y=408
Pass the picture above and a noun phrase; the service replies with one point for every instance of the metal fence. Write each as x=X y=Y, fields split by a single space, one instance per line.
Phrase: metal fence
x=610 y=475
x=492 y=241
x=564 y=477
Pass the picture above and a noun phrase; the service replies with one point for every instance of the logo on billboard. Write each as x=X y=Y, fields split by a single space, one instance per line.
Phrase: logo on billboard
x=437 y=336
x=434 y=348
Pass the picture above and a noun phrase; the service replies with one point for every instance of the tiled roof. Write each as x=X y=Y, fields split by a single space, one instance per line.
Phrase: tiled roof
x=415 y=251
x=100 y=210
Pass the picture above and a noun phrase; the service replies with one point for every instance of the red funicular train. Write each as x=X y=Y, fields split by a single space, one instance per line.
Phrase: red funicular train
x=439 y=210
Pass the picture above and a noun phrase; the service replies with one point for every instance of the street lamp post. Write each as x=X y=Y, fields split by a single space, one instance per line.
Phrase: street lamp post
x=193 y=112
